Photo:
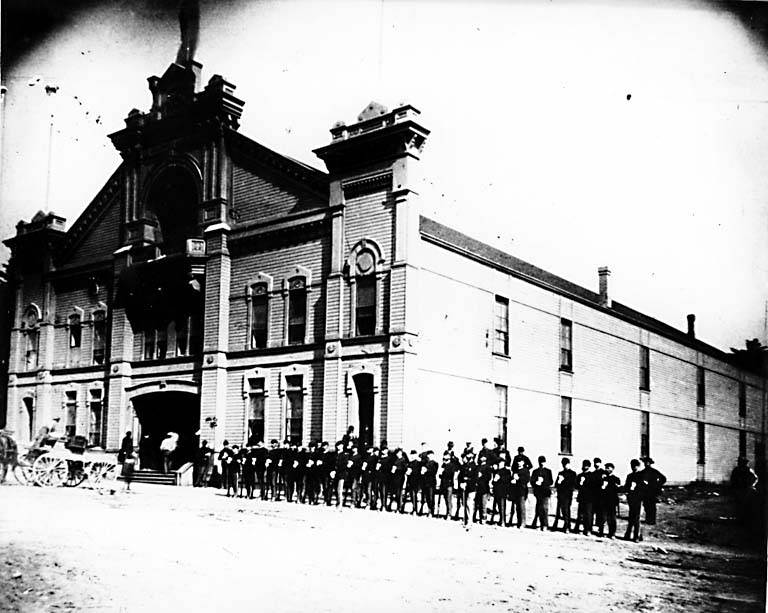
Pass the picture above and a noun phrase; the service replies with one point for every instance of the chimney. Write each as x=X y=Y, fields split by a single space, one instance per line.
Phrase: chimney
x=692 y=325
x=604 y=273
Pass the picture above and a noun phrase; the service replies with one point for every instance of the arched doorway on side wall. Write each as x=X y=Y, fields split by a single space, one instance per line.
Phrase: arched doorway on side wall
x=159 y=413
x=364 y=391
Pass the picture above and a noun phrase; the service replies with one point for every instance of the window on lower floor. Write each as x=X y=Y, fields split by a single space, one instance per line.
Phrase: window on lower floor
x=294 y=414
x=501 y=411
x=259 y=316
x=645 y=434
x=70 y=414
x=701 y=447
x=566 y=422
x=95 y=418
x=256 y=399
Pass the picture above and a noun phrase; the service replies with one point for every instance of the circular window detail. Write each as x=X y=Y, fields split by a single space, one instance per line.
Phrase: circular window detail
x=365 y=262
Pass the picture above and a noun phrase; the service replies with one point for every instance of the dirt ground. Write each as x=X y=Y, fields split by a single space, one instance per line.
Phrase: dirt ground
x=181 y=549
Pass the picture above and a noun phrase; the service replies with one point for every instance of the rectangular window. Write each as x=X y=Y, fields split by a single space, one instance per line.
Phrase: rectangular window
x=256 y=411
x=566 y=345
x=645 y=369
x=182 y=336
x=742 y=443
x=294 y=415
x=161 y=342
x=33 y=342
x=365 y=312
x=149 y=344
x=701 y=445
x=742 y=400
x=95 y=418
x=645 y=434
x=566 y=421
x=75 y=332
x=700 y=390
x=70 y=409
x=501 y=325
x=99 y=336
x=259 y=318
x=501 y=411
x=297 y=312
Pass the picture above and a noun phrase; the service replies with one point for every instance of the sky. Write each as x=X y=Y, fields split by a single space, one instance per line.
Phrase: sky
x=572 y=134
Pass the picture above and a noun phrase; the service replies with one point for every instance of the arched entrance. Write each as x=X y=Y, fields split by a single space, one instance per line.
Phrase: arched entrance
x=364 y=389
x=159 y=413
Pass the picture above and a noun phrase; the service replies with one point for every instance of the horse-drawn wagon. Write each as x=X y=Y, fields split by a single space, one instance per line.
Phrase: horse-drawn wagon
x=57 y=461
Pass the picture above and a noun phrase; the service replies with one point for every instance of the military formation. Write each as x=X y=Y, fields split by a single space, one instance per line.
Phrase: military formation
x=489 y=486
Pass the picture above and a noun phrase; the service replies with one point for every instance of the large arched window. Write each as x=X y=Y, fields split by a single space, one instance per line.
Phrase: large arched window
x=173 y=198
x=99 y=336
x=364 y=266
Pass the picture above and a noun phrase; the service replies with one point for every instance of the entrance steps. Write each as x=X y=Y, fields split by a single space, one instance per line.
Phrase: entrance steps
x=155 y=477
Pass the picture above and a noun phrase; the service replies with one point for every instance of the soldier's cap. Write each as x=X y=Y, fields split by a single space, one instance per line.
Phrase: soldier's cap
x=565 y=461
x=450 y=444
x=586 y=463
x=484 y=441
x=542 y=459
x=597 y=461
x=648 y=460
x=225 y=443
x=273 y=441
x=520 y=449
x=413 y=452
x=609 y=465
x=235 y=446
x=634 y=462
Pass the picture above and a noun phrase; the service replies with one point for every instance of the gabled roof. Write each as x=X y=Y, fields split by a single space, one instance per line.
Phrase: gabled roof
x=79 y=229
x=484 y=253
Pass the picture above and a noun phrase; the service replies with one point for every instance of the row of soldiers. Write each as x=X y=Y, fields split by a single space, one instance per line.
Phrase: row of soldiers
x=383 y=479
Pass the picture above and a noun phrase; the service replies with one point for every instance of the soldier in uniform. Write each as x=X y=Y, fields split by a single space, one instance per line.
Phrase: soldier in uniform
x=339 y=474
x=654 y=481
x=502 y=482
x=584 y=498
x=413 y=480
x=447 y=478
x=565 y=485
x=482 y=488
x=521 y=456
x=541 y=479
x=467 y=450
x=597 y=480
x=290 y=464
x=234 y=470
x=519 y=492
x=634 y=486
x=248 y=471
x=398 y=479
x=385 y=477
x=466 y=481
x=226 y=458
x=484 y=453
x=260 y=455
x=302 y=457
x=609 y=499
x=270 y=465
x=283 y=458
x=428 y=481
x=329 y=462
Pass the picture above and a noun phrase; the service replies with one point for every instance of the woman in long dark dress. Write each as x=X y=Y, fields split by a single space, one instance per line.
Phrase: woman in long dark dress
x=128 y=459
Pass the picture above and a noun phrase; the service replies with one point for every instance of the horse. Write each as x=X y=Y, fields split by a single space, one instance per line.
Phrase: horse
x=9 y=454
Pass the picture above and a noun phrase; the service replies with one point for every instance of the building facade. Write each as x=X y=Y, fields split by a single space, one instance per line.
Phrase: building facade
x=220 y=290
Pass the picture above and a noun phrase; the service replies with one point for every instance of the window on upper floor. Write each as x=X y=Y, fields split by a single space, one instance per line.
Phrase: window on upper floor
x=365 y=315
x=99 y=336
x=700 y=386
x=297 y=311
x=31 y=325
x=75 y=327
x=566 y=345
x=566 y=422
x=645 y=369
x=259 y=316
x=742 y=400
x=501 y=326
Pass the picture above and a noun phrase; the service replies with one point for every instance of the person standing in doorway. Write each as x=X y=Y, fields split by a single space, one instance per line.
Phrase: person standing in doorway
x=167 y=448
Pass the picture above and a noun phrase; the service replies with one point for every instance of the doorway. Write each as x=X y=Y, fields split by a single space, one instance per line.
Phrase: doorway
x=158 y=414
x=364 y=390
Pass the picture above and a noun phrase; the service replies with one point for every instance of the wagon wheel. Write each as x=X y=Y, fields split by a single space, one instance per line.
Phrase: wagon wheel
x=101 y=473
x=75 y=473
x=50 y=471
x=23 y=474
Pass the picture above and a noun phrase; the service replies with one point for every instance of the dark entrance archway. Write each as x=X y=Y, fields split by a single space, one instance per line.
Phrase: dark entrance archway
x=160 y=413
x=364 y=389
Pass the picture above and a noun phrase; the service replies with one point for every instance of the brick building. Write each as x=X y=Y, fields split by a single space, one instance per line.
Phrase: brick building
x=214 y=285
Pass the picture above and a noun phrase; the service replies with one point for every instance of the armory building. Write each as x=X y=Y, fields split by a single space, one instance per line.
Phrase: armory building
x=218 y=289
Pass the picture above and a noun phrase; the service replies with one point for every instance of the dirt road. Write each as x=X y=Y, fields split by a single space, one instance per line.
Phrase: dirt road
x=181 y=549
